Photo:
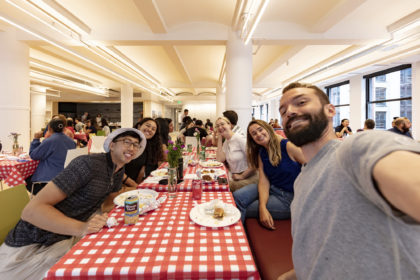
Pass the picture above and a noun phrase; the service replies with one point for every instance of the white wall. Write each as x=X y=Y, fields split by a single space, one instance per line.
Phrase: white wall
x=201 y=110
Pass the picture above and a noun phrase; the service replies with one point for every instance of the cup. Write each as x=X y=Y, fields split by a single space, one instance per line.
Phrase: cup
x=196 y=189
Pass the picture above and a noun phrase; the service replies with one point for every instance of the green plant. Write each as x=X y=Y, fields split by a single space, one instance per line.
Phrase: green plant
x=174 y=152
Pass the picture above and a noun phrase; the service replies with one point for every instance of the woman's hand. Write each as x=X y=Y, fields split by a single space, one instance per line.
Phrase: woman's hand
x=236 y=177
x=266 y=219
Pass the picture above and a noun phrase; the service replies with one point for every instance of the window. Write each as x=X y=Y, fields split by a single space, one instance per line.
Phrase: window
x=388 y=95
x=380 y=120
x=339 y=95
x=380 y=93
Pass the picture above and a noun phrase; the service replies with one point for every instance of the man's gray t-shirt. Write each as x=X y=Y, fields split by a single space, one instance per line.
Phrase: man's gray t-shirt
x=342 y=227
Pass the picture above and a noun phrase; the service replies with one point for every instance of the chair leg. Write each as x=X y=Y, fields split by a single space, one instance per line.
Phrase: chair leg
x=32 y=191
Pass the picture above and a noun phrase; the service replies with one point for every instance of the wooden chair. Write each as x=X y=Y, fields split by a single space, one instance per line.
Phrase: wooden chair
x=12 y=202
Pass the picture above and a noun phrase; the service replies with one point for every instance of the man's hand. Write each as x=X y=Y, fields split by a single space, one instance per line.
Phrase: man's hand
x=290 y=275
x=266 y=219
x=95 y=224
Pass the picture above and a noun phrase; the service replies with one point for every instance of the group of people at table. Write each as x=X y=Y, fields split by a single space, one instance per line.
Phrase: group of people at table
x=354 y=204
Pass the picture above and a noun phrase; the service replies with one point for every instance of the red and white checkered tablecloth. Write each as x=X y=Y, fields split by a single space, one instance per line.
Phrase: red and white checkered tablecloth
x=186 y=185
x=14 y=173
x=164 y=244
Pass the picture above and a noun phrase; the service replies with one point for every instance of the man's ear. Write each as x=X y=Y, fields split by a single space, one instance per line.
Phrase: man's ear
x=329 y=110
x=111 y=146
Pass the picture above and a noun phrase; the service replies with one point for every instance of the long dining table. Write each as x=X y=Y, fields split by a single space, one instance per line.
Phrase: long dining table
x=14 y=172
x=164 y=244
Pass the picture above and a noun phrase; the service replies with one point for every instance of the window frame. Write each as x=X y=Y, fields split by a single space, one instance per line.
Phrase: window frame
x=380 y=73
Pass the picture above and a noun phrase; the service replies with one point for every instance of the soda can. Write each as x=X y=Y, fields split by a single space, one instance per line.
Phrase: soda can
x=131 y=210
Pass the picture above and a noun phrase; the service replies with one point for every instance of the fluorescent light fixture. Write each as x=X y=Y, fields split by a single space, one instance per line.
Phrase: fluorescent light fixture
x=256 y=21
x=81 y=57
x=54 y=10
x=67 y=83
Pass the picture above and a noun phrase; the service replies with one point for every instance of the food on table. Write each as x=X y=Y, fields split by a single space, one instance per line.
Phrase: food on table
x=218 y=213
x=207 y=171
x=206 y=178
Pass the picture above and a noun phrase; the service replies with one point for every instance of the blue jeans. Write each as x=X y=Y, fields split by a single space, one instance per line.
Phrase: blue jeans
x=278 y=204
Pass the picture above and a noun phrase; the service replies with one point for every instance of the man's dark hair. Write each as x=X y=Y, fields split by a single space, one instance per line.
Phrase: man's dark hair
x=231 y=116
x=323 y=98
x=370 y=124
x=168 y=120
x=199 y=122
x=127 y=133
x=185 y=110
x=57 y=124
x=186 y=119
x=69 y=123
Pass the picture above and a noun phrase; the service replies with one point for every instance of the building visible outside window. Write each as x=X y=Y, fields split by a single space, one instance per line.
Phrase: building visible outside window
x=339 y=95
x=388 y=95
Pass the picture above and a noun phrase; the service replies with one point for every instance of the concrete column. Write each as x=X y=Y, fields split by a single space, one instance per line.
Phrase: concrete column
x=126 y=106
x=14 y=90
x=147 y=109
x=357 y=102
x=220 y=101
x=415 y=102
x=38 y=109
x=273 y=109
x=239 y=79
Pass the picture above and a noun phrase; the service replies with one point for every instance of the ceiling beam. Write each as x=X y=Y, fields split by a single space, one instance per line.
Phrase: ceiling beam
x=335 y=15
x=152 y=15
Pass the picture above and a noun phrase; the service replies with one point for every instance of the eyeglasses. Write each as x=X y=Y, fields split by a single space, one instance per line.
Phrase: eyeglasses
x=127 y=143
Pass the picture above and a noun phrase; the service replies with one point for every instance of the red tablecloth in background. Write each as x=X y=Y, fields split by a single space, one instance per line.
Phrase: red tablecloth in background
x=164 y=244
x=14 y=172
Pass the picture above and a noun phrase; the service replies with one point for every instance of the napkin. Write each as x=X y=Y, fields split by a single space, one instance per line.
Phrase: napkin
x=190 y=177
x=152 y=180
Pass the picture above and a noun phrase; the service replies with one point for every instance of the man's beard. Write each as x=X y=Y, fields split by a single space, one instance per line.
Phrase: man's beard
x=309 y=133
x=405 y=129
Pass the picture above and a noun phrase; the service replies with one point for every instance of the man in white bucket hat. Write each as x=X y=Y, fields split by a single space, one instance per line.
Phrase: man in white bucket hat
x=64 y=210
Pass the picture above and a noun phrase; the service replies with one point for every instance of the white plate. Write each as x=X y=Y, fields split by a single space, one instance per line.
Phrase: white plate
x=211 y=149
x=160 y=172
x=199 y=216
x=210 y=155
x=142 y=195
x=211 y=163
x=215 y=171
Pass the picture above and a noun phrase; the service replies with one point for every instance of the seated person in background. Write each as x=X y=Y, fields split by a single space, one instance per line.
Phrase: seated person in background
x=356 y=211
x=369 y=124
x=278 y=162
x=208 y=125
x=69 y=125
x=343 y=129
x=99 y=120
x=164 y=135
x=78 y=126
x=65 y=209
x=232 y=116
x=141 y=167
x=188 y=124
x=90 y=127
x=51 y=154
x=401 y=127
x=198 y=126
x=170 y=124
x=276 y=124
x=233 y=150
x=408 y=125
x=105 y=127
x=66 y=131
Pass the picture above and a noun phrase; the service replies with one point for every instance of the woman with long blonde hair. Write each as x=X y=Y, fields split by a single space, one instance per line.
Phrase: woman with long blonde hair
x=278 y=162
x=233 y=150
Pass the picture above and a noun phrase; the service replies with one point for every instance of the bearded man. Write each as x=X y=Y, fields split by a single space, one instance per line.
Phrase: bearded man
x=402 y=126
x=356 y=210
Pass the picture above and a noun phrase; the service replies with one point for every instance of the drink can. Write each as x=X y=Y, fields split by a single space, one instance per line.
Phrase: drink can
x=189 y=148
x=196 y=189
x=131 y=210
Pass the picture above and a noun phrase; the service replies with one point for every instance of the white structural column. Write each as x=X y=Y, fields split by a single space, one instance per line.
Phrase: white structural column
x=239 y=79
x=357 y=103
x=38 y=109
x=274 y=109
x=415 y=92
x=126 y=106
x=14 y=90
x=220 y=101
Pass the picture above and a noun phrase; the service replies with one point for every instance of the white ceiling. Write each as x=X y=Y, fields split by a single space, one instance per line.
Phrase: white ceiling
x=181 y=44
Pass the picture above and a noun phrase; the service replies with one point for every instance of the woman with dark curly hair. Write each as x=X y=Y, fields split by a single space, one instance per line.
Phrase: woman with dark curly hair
x=139 y=168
